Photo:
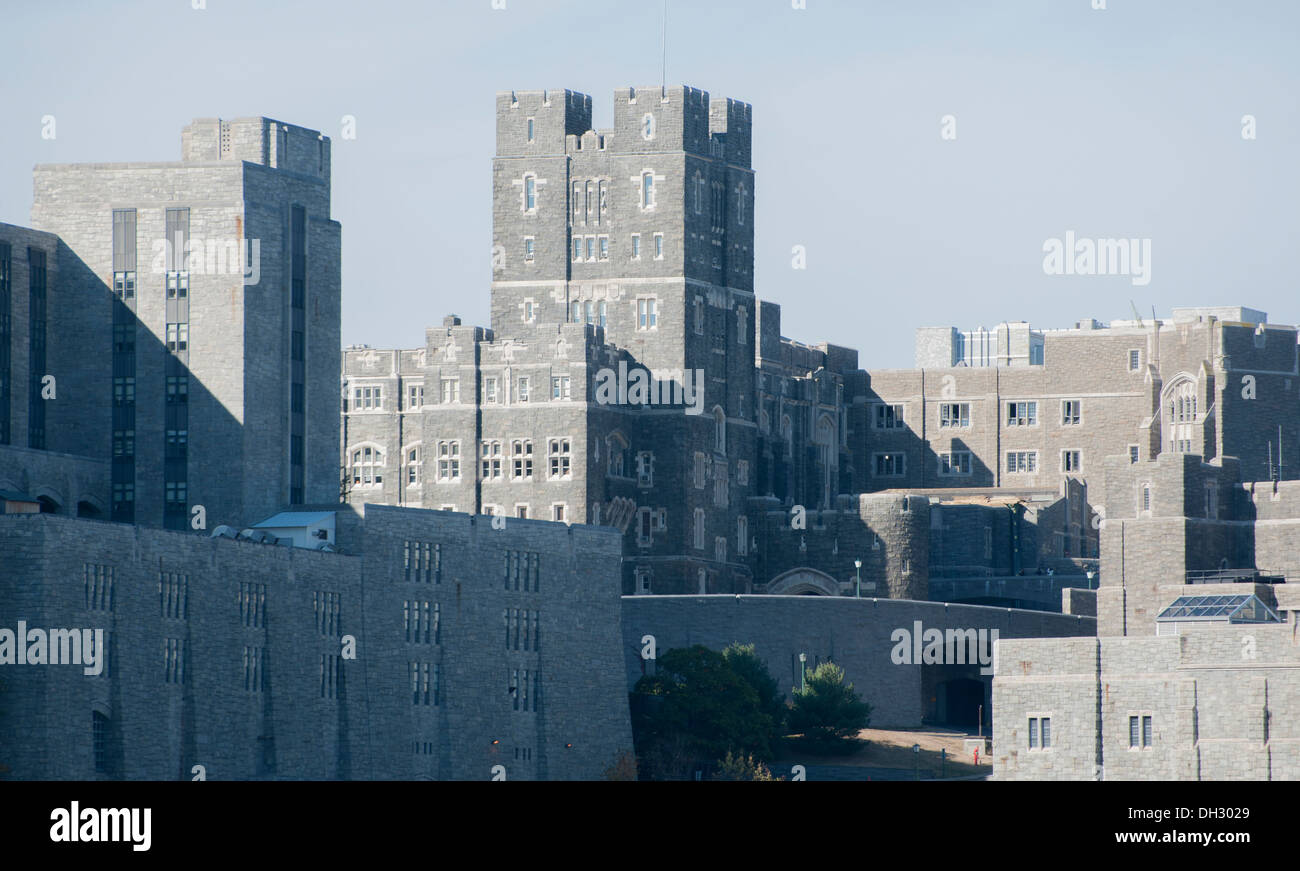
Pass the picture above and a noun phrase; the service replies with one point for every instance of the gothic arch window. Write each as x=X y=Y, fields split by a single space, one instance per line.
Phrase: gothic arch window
x=367 y=466
x=616 y=446
x=1181 y=414
x=413 y=458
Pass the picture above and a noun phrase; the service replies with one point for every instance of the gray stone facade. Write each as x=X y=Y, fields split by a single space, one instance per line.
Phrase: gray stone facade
x=474 y=648
x=212 y=287
x=632 y=246
x=1169 y=700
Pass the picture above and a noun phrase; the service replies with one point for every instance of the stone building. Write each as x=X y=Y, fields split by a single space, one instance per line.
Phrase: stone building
x=210 y=289
x=1193 y=673
x=438 y=647
x=629 y=250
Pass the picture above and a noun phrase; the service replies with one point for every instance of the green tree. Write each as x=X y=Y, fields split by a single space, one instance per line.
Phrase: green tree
x=828 y=711
x=694 y=710
x=745 y=662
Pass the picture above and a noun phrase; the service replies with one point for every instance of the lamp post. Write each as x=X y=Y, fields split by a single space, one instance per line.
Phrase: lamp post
x=857 y=564
x=803 y=658
x=1091 y=575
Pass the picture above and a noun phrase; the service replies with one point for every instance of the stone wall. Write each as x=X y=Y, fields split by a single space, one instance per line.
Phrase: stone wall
x=520 y=667
x=857 y=634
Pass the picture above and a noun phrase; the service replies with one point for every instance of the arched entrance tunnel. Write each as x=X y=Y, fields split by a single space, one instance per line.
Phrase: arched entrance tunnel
x=954 y=694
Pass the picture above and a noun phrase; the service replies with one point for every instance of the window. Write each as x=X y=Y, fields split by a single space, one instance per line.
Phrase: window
x=889 y=417
x=560 y=387
x=647 y=190
x=1071 y=461
x=890 y=465
x=415 y=396
x=367 y=466
x=648 y=126
x=1144 y=497
x=577 y=248
x=1212 y=501
x=699 y=316
x=742 y=327
x=591 y=247
x=1134 y=360
x=700 y=460
x=123 y=442
x=603 y=312
x=123 y=390
x=636 y=246
x=719 y=431
x=699 y=529
x=559 y=455
x=523 y=389
x=699 y=194
x=742 y=535
x=1022 y=414
x=576 y=312
x=450 y=390
x=604 y=247
x=530 y=248
x=491 y=455
x=124 y=285
x=99 y=740
x=367 y=399
x=1022 y=462
x=178 y=337
x=720 y=549
x=530 y=311
x=449 y=461
x=521 y=457
x=954 y=463
x=530 y=193
x=1033 y=733
x=954 y=415
x=414 y=462
x=530 y=129
x=1071 y=412
x=643 y=581
x=647 y=316
x=178 y=285
x=490 y=390
x=1133 y=453
x=1139 y=731
x=557 y=512
x=659 y=246
x=590 y=308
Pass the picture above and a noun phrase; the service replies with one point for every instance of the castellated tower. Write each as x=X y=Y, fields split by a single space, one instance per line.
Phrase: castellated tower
x=645 y=231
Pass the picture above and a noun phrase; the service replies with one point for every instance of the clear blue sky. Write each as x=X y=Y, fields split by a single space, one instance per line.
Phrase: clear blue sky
x=1117 y=123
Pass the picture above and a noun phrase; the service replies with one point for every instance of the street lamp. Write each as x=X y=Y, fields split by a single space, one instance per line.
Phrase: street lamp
x=1091 y=575
x=857 y=564
x=803 y=658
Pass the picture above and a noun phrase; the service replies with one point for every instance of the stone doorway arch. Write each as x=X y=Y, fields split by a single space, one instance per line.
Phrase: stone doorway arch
x=803 y=582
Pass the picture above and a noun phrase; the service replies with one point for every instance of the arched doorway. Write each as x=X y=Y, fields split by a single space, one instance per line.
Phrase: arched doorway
x=803 y=582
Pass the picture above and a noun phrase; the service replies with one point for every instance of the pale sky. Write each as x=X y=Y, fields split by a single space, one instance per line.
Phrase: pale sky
x=1117 y=123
